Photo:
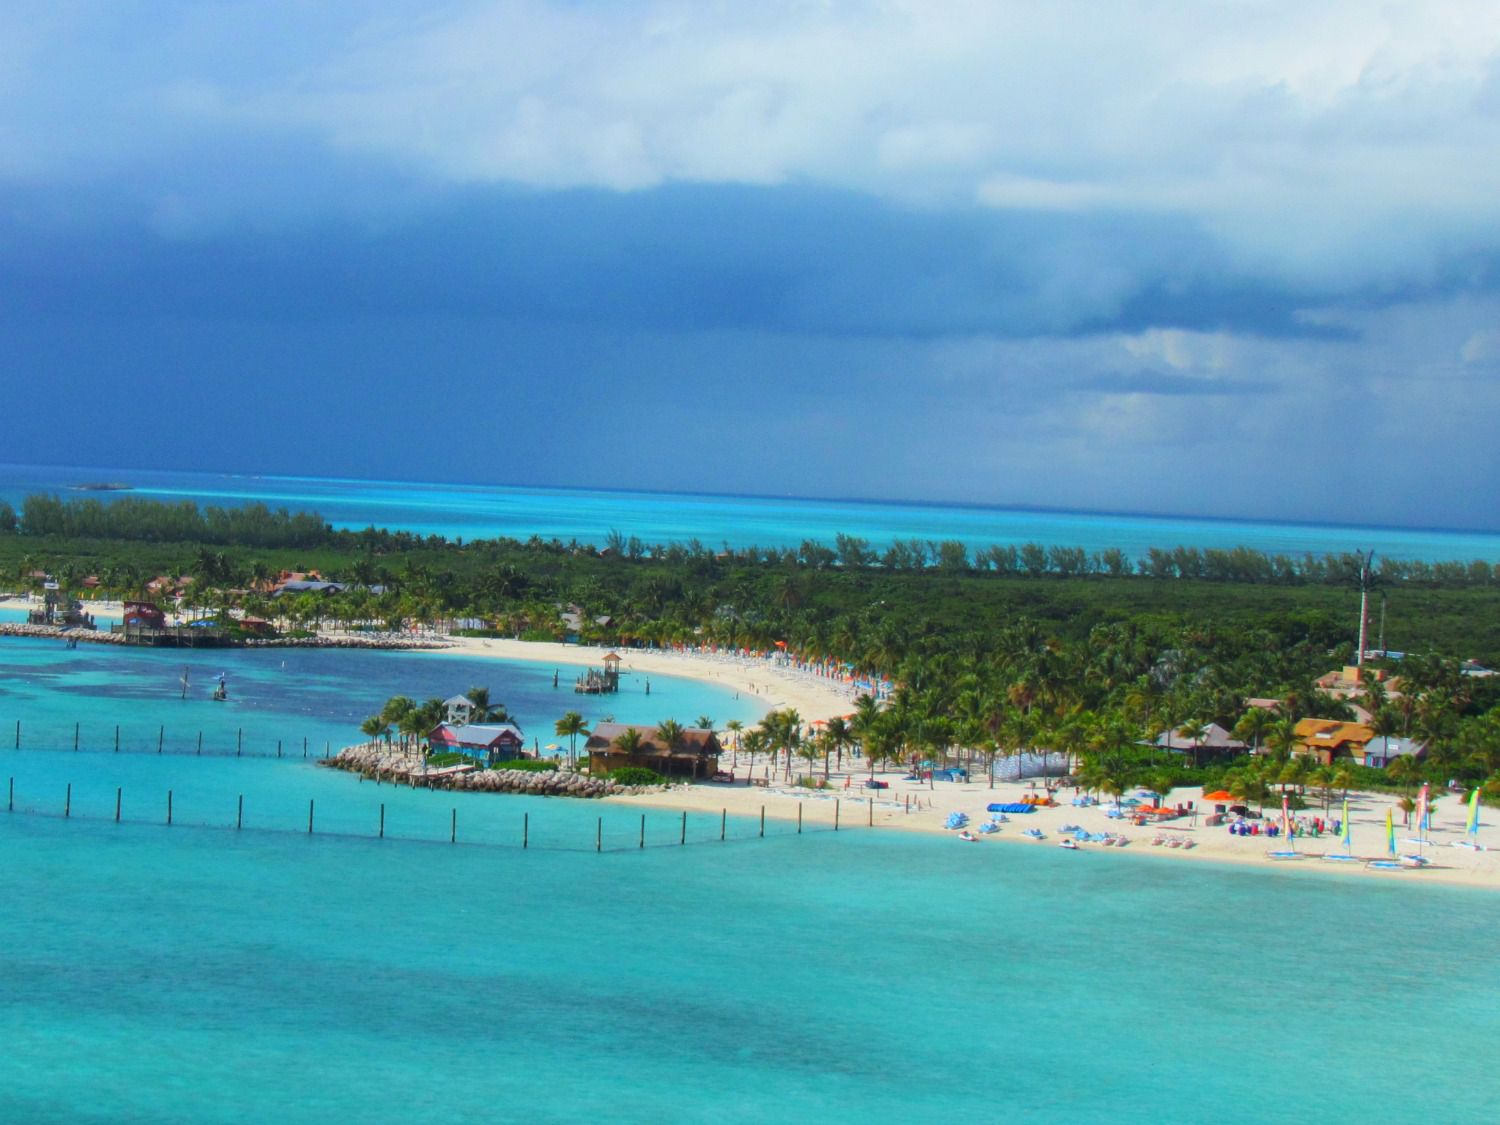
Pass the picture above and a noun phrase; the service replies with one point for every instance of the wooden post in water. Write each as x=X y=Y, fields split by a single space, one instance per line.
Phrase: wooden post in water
x=75 y=738
x=723 y=822
x=200 y=742
x=643 y=830
x=239 y=741
x=117 y=738
x=239 y=815
x=763 y=822
x=453 y=828
x=382 y=820
x=11 y=806
x=872 y=811
x=278 y=747
x=309 y=817
x=525 y=830
x=161 y=736
x=304 y=745
x=118 y=794
x=18 y=734
x=169 y=808
x=799 y=818
x=599 y=835
x=683 y=839
x=835 y=814
x=68 y=802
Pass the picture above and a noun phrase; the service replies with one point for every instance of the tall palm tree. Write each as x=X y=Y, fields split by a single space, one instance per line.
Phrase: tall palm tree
x=669 y=734
x=484 y=710
x=572 y=724
x=1253 y=727
x=840 y=736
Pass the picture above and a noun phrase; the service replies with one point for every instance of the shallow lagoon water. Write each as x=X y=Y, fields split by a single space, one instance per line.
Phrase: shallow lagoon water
x=196 y=972
x=472 y=511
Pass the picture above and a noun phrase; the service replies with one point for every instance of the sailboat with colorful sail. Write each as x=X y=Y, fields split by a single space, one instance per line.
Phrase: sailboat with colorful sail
x=1471 y=825
x=1390 y=846
x=1424 y=821
x=1346 y=833
x=1290 y=851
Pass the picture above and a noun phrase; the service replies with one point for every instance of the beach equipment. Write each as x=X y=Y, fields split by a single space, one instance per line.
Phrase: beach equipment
x=1346 y=832
x=1071 y=845
x=1219 y=796
x=1471 y=825
x=956 y=820
x=1290 y=851
x=1390 y=833
x=1034 y=833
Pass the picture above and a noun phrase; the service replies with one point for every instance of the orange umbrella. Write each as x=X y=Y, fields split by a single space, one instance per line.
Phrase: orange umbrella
x=1218 y=795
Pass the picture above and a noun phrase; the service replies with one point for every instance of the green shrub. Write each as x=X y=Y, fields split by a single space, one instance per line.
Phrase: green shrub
x=447 y=758
x=635 y=775
x=527 y=765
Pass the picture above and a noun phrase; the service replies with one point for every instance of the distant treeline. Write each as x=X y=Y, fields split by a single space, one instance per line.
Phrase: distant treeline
x=255 y=525
x=156 y=521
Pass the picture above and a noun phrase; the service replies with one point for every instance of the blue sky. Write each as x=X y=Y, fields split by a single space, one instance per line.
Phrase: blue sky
x=1235 y=258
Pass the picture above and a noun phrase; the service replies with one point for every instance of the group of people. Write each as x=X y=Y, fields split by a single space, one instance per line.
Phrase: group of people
x=1313 y=826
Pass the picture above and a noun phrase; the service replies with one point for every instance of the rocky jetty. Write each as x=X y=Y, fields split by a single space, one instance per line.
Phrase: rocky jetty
x=103 y=636
x=385 y=763
x=54 y=632
x=345 y=640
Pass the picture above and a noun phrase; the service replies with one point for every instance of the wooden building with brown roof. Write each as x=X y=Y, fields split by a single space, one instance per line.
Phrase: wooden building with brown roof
x=696 y=754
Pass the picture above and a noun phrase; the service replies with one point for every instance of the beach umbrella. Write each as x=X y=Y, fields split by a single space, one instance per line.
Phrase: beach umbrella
x=1219 y=795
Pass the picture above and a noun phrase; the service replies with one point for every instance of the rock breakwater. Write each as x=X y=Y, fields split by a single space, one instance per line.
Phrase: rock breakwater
x=384 y=763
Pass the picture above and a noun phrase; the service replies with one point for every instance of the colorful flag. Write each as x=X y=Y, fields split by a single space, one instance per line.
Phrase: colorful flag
x=1344 y=825
x=1286 y=818
x=1390 y=833
x=1472 y=827
x=1424 y=812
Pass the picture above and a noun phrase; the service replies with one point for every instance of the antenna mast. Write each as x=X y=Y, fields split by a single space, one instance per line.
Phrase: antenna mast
x=1365 y=563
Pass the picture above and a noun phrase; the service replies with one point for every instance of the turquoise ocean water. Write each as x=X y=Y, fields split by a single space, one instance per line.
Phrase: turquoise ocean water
x=199 y=973
x=474 y=511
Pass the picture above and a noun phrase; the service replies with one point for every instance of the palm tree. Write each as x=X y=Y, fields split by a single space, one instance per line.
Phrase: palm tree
x=376 y=727
x=1161 y=782
x=1253 y=727
x=572 y=724
x=628 y=741
x=669 y=736
x=810 y=751
x=734 y=726
x=840 y=736
x=484 y=710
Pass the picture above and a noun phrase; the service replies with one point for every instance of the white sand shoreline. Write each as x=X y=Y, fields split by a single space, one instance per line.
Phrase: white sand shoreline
x=768 y=687
x=1449 y=865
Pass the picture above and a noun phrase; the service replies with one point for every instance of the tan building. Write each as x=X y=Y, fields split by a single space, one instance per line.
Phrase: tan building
x=1327 y=739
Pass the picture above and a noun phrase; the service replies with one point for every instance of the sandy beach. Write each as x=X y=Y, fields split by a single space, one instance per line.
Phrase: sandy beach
x=911 y=806
x=769 y=686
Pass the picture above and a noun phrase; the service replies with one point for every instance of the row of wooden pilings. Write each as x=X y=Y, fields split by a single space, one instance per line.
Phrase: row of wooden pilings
x=161 y=748
x=239 y=818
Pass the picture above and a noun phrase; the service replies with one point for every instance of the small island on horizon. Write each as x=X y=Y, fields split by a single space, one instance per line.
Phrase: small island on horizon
x=102 y=486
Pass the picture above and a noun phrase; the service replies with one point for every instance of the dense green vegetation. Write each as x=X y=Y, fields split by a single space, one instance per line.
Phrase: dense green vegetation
x=1085 y=655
